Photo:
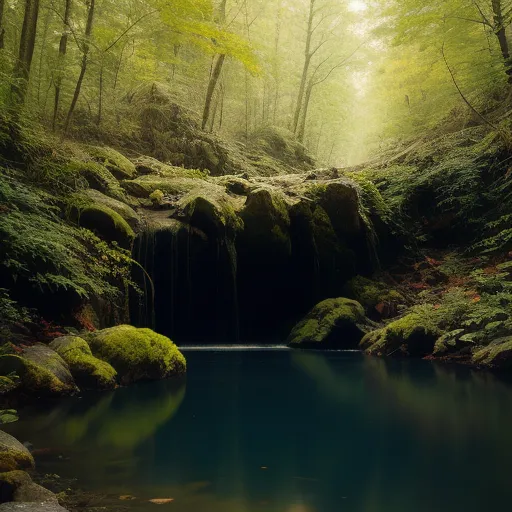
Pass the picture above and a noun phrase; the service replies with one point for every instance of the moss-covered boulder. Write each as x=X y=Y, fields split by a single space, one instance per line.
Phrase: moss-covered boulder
x=41 y=371
x=378 y=299
x=333 y=324
x=88 y=371
x=107 y=223
x=137 y=354
x=496 y=356
x=114 y=161
x=13 y=455
x=267 y=224
x=8 y=416
x=92 y=196
x=17 y=486
x=97 y=177
x=407 y=336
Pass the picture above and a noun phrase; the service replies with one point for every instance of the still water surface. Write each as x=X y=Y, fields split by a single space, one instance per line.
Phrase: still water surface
x=288 y=431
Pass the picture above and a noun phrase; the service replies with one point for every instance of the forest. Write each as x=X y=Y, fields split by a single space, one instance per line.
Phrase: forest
x=215 y=207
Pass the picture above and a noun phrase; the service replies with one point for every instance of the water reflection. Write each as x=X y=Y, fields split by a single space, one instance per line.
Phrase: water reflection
x=290 y=432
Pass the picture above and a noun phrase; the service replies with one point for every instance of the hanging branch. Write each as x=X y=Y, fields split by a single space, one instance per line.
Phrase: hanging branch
x=466 y=101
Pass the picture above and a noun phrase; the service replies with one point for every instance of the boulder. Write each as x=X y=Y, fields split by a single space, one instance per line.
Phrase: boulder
x=407 y=336
x=333 y=324
x=137 y=354
x=13 y=455
x=496 y=356
x=114 y=161
x=45 y=506
x=41 y=370
x=121 y=208
x=88 y=371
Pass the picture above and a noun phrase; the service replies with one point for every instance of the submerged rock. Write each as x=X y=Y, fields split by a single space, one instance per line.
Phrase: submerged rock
x=41 y=370
x=88 y=371
x=137 y=354
x=407 y=336
x=36 y=506
x=13 y=454
x=332 y=324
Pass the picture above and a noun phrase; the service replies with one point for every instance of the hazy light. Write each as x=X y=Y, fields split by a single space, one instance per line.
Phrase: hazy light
x=357 y=6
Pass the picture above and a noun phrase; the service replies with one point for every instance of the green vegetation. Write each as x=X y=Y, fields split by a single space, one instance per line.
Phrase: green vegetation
x=137 y=354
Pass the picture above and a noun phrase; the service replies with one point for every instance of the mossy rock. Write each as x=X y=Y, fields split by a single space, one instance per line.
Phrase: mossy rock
x=88 y=371
x=407 y=336
x=497 y=356
x=107 y=223
x=267 y=224
x=34 y=506
x=450 y=343
x=144 y=186
x=137 y=354
x=41 y=370
x=123 y=209
x=114 y=161
x=14 y=455
x=98 y=177
x=7 y=384
x=378 y=299
x=334 y=324
x=8 y=416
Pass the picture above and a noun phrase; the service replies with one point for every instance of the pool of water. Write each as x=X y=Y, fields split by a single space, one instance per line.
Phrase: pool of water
x=288 y=431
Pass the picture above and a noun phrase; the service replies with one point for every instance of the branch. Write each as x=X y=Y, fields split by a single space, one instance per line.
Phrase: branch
x=109 y=47
x=484 y=17
x=466 y=101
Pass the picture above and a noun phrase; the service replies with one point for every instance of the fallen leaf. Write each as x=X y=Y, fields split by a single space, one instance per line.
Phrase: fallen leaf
x=127 y=497
x=161 y=501
x=264 y=467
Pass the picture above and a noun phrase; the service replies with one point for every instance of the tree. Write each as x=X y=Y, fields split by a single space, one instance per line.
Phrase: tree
x=83 y=67
x=2 y=28
x=26 y=50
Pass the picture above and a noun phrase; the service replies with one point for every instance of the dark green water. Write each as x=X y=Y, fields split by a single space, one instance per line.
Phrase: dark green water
x=284 y=431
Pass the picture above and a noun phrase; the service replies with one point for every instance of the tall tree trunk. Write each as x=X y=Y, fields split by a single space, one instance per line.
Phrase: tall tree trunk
x=63 y=47
x=43 y=46
x=214 y=78
x=277 y=69
x=83 y=69
x=305 y=69
x=100 y=96
x=26 y=50
x=501 y=34
x=2 y=29
x=217 y=70
x=304 y=118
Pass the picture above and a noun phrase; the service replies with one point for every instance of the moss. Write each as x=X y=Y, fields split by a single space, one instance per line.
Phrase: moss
x=497 y=356
x=92 y=196
x=114 y=161
x=144 y=186
x=334 y=323
x=372 y=293
x=97 y=177
x=137 y=354
x=7 y=384
x=157 y=197
x=35 y=378
x=15 y=478
x=13 y=455
x=409 y=335
x=8 y=416
x=107 y=223
x=88 y=371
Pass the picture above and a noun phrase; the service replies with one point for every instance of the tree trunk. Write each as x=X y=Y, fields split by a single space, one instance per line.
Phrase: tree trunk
x=83 y=69
x=307 y=99
x=501 y=34
x=277 y=70
x=2 y=29
x=100 y=96
x=305 y=69
x=63 y=46
x=214 y=78
x=26 y=50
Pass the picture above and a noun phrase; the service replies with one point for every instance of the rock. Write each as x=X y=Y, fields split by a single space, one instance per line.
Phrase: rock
x=46 y=506
x=107 y=223
x=121 y=208
x=41 y=370
x=32 y=492
x=137 y=354
x=8 y=416
x=13 y=455
x=449 y=343
x=496 y=356
x=10 y=481
x=334 y=323
x=7 y=384
x=98 y=177
x=88 y=371
x=407 y=336
x=114 y=161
